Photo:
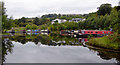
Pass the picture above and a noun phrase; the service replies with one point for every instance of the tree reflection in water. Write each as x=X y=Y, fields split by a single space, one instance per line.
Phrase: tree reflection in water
x=52 y=40
x=107 y=55
x=6 y=47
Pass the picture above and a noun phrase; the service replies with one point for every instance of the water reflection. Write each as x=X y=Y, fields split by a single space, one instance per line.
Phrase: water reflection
x=107 y=55
x=52 y=40
x=6 y=47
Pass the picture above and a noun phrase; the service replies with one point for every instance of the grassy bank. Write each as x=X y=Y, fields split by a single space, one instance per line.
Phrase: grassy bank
x=107 y=42
x=19 y=28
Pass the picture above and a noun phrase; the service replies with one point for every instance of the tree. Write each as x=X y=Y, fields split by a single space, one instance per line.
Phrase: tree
x=104 y=9
x=28 y=26
x=107 y=22
x=114 y=17
x=31 y=26
x=4 y=16
x=2 y=8
x=7 y=23
x=23 y=20
x=117 y=28
x=36 y=21
x=34 y=27
x=44 y=21
x=4 y=22
x=10 y=24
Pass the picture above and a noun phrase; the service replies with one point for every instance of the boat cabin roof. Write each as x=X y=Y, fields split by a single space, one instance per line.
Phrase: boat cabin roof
x=97 y=30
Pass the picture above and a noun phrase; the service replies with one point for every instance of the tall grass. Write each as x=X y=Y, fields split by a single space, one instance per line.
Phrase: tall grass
x=109 y=42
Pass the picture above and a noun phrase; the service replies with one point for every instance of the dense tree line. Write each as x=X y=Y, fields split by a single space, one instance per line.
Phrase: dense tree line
x=105 y=21
x=45 y=19
x=105 y=18
x=22 y=22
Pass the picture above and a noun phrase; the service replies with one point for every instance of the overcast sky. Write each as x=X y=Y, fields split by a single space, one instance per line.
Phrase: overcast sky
x=33 y=8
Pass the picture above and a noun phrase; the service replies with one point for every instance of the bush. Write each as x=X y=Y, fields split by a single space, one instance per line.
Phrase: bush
x=117 y=28
x=28 y=27
x=33 y=26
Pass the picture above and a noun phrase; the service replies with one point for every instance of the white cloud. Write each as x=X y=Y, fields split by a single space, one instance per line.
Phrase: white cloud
x=32 y=8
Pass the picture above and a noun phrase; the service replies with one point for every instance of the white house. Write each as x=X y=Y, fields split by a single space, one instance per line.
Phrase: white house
x=59 y=21
x=77 y=19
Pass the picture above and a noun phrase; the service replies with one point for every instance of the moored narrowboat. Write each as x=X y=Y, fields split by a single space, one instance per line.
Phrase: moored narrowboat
x=95 y=33
x=85 y=33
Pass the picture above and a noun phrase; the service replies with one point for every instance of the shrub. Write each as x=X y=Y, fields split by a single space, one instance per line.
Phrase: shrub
x=34 y=27
x=28 y=27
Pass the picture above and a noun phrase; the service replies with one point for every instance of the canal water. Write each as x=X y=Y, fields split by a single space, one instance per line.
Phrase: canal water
x=52 y=48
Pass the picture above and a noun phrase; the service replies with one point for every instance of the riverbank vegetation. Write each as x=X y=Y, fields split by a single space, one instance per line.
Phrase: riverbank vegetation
x=94 y=21
x=105 y=18
x=109 y=42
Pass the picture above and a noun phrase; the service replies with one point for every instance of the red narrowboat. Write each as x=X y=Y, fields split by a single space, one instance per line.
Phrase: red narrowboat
x=85 y=33
x=95 y=32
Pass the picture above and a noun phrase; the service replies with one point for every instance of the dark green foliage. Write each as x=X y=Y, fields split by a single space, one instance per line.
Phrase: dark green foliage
x=105 y=18
x=105 y=22
x=117 y=7
x=44 y=21
x=28 y=27
x=104 y=9
x=66 y=17
x=51 y=16
x=63 y=26
x=34 y=27
x=31 y=27
x=7 y=23
x=117 y=28
x=36 y=21
x=3 y=11
x=23 y=20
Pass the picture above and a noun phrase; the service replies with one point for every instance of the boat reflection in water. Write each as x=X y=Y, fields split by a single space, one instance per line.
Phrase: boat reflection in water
x=52 y=48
